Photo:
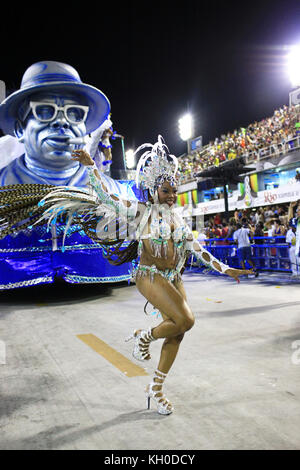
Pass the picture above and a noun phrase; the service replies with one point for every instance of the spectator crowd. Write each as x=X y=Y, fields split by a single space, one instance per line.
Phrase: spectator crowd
x=278 y=129
x=272 y=230
x=269 y=221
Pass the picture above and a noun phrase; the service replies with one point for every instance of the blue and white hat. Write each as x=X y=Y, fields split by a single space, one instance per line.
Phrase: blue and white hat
x=51 y=75
x=293 y=222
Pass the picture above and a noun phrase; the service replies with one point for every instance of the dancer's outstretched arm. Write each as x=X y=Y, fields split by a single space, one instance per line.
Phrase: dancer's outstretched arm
x=125 y=207
x=209 y=260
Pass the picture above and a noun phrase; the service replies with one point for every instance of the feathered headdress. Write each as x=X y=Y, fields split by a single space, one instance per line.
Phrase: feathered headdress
x=152 y=174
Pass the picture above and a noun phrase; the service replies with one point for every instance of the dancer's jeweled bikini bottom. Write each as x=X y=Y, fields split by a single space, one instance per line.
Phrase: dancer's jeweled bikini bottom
x=143 y=270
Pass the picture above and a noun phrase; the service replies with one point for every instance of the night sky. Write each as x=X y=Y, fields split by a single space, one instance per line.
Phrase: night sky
x=221 y=61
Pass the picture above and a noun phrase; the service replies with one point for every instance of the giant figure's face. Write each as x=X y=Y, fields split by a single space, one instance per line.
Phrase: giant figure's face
x=46 y=141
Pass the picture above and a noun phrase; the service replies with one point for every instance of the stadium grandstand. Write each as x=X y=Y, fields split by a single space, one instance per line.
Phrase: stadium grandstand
x=261 y=198
x=259 y=139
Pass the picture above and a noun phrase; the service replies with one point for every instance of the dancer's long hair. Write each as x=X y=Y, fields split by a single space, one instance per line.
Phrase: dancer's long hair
x=19 y=210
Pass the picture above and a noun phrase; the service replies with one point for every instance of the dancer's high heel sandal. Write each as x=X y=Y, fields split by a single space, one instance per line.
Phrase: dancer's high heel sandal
x=164 y=407
x=142 y=340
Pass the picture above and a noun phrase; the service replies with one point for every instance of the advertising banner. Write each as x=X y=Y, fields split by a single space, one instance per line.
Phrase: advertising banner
x=250 y=198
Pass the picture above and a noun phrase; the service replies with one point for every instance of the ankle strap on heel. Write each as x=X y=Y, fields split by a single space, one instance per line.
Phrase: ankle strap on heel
x=159 y=375
x=147 y=335
x=163 y=404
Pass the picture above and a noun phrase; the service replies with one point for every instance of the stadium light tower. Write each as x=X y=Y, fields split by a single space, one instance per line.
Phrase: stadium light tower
x=185 y=124
x=293 y=69
x=130 y=160
x=293 y=60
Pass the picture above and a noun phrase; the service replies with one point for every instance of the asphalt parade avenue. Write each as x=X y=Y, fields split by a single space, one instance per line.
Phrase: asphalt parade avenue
x=68 y=379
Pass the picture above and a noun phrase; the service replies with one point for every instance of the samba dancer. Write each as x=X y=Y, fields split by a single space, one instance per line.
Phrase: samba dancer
x=164 y=242
x=159 y=237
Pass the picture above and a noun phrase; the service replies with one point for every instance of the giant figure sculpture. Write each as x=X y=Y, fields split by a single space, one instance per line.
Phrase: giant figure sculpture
x=51 y=115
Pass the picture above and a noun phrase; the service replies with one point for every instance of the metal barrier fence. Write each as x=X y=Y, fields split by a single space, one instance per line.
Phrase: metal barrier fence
x=268 y=253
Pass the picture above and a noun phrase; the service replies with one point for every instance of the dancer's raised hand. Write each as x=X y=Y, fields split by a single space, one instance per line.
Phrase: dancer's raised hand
x=235 y=273
x=83 y=157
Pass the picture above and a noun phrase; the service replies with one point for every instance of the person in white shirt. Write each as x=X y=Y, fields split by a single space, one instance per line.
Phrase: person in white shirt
x=242 y=237
x=294 y=238
x=259 y=216
x=269 y=214
x=202 y=237
x=291 y=240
